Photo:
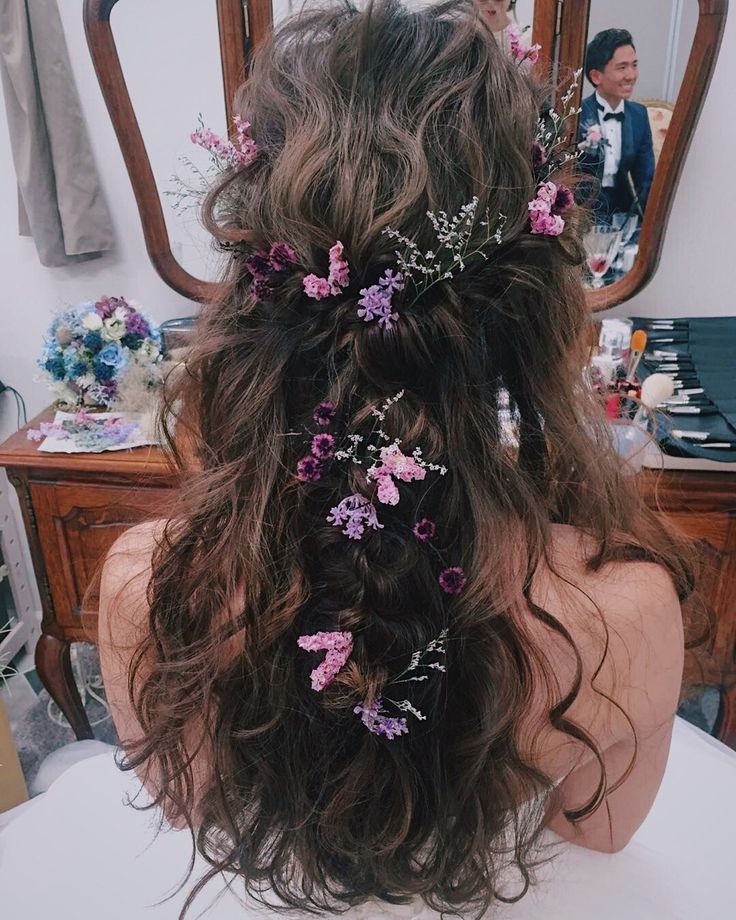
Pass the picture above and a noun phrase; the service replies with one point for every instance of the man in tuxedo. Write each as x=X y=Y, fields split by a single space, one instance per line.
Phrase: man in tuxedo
x=615 y=136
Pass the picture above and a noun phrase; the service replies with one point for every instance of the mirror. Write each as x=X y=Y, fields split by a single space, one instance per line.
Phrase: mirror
x=647 y=69
x=676 y=42
x=634 y=68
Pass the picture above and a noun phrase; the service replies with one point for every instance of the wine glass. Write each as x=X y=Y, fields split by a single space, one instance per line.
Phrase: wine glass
x=601 y=246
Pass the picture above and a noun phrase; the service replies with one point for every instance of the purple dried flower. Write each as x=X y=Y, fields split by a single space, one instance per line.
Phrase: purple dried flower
x=323 y=446
x=425 y=530
x=317 y=288
x=259 y=265
x=281 y=256
x=378 y=723
x=452 y=580
x=564 y=200
x=262 y=290
x=106 y=306
x=324 y=413
x=135 y=324
x=308 y=469
x=539 y=155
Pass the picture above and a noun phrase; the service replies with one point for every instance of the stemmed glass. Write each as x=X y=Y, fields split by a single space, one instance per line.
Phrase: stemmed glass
x=601 y=246
x=628 y=224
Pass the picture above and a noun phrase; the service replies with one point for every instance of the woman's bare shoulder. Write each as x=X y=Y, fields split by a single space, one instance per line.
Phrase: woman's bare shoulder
x=625 y=622
x=124 y=583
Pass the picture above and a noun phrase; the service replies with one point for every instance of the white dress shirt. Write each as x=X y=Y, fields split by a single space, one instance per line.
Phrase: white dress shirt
x=613 y=134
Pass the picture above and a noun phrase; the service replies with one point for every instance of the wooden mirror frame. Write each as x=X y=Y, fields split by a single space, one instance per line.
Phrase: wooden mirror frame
x=242 y=26
x=559 y=25
x=562 y=25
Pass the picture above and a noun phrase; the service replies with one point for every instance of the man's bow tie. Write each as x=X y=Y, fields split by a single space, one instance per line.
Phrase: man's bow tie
x=611 y=116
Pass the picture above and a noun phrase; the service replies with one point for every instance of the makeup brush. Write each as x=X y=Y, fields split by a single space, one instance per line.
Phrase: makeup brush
x=638 y=347
x=655 y=390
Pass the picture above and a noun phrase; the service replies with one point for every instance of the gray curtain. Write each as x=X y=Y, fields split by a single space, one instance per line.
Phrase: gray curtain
x=61 y=203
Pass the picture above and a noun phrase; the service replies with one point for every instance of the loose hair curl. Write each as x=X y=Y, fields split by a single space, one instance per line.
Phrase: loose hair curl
x=366 y=120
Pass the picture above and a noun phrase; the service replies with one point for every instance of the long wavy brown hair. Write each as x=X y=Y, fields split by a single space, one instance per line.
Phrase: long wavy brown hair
x=367 y=120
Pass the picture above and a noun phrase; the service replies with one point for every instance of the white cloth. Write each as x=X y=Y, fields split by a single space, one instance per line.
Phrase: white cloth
x=79 y=854
x=613 y=133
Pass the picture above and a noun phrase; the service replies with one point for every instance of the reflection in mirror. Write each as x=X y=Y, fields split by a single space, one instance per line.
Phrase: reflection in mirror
x=507 y=18
x=187 y=87
x=635 y=63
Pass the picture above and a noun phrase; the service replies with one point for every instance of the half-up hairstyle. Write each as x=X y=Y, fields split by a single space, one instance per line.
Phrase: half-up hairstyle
x=365 y=121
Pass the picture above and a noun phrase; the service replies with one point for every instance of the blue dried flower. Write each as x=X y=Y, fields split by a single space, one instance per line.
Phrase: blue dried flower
x=92 y=342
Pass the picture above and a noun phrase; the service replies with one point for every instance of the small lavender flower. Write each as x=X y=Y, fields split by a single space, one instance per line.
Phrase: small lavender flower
x=308 y=469
x=377 y=722
x=452 y=580
x=324 y=414
x=323 y=446
x=356 y=513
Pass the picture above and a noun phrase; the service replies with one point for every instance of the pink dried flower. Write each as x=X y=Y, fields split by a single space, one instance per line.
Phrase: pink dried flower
x=388 y=493
x=339 y=276
x=519 y=52
x=545 y=218
x=407 y=469
x=241 y=155
x=34 y=434
x=323 y=446
x=324 y=414
x=338 y=646
x=452 y=580
x=356 y=513
x=425 y=530
x=317 y=288
x=373 y=716
x=308 y=469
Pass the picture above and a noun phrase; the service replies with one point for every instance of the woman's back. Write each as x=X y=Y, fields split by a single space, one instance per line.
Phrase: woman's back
x=375 y=652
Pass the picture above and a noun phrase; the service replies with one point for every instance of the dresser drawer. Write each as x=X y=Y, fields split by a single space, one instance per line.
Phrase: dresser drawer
x=77 y=523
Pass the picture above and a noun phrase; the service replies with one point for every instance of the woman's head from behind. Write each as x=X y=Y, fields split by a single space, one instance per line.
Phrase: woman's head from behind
x=365 y=121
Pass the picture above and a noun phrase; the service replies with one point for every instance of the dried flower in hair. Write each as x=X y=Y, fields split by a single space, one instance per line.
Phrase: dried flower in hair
x=308 y=469
x=544 y=211
x=374 y=717
x=425 y=530
x=324 y=414
x=281 y=256
x=262 y=290
x=354 y=513
x=224 y=150
x=323 y=446
x=317 y=288
x=388 y=493
x=259 y=265
x=452 y=580
x=376 y=302
x=339 y=276
x=338 y=646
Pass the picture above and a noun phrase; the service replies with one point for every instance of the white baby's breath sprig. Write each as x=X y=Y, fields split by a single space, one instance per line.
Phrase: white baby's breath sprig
x=454 y=250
